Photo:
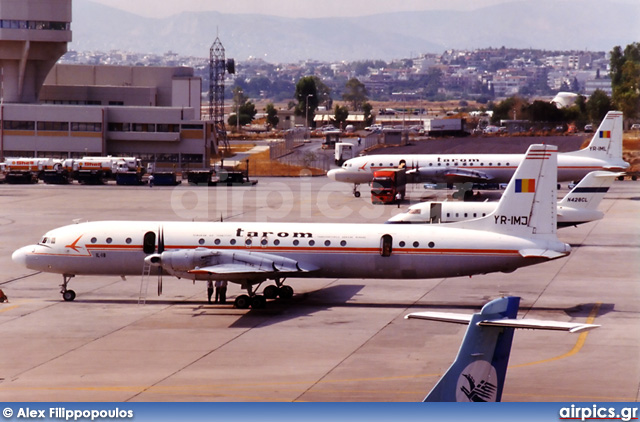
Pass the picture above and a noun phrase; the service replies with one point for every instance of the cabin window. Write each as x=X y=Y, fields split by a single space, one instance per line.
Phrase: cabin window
x=431 y=244
x=128 y=240
x=312 y=242
x=343 y=243
x=94 y=240
x=386 y=245
x=264 y=242
x=416 y=244
x=247 y=242
x=296 y=242
x=201 y=241
x=149 y=242
x=401 y=244
x=109 y=240
x=276 y=242
x=217 y=241
x=475 y=215
x=327 y=243
x=232 y=241
x=465 y=215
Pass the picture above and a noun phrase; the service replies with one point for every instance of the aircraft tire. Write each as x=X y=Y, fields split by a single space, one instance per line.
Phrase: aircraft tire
x=69 y=295
x=270 y=292
x=285 y=292
x=258 y=302
x=242 y=302
x=356 y=194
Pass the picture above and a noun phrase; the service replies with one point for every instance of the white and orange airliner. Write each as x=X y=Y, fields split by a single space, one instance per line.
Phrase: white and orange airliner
x=604 y=152
x=520 y=232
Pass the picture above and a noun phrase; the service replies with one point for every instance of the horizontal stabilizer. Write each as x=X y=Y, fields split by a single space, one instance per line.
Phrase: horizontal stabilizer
x=542 y=253
x=528 y=323
x=441 y=316
x=538 y=324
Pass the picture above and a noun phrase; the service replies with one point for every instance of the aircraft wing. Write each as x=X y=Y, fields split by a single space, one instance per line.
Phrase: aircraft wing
x=235 y=269
x=451 y=175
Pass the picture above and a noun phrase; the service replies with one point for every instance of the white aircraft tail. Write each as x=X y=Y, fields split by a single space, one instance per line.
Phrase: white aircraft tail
x=480 y=369
x=606 y=143
x=589 y=192
x=528 y=206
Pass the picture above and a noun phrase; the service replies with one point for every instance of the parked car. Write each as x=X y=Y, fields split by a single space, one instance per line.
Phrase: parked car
x=588 y=128
x=635 y=126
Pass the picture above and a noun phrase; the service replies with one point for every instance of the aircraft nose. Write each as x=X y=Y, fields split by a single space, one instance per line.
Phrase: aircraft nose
x=19 y=256
x=335 y=174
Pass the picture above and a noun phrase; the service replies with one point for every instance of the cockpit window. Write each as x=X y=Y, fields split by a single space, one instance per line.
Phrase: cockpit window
x=44 y=240
x=415 y=211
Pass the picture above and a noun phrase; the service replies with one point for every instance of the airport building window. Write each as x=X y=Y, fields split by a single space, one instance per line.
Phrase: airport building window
x=192 y=126
x=191 y=158
x=37 y=25
x=143 y=127
x=163 y=127
x=118 y=127
x=54 y=126
x=19 y=125
x=86 y=127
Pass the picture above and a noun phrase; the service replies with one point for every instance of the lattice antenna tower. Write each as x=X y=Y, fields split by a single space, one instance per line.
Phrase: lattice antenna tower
x=217 y=68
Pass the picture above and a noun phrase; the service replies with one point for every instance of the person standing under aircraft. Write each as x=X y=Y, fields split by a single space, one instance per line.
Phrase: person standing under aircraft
x=221 y=291
x=209 y=289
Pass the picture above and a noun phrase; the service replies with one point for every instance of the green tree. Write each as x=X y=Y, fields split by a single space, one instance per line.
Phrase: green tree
x=625 y=79
x=355 y=93
x=340 y=116
x=272 y=115
x=368 y=117
x=598 y=105
x=246 y=110
x=307 y=96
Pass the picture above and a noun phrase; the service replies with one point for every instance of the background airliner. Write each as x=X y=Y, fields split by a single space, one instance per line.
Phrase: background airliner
x=604 y=152
x=520 y=232
x=479 y=371
x=577 y=207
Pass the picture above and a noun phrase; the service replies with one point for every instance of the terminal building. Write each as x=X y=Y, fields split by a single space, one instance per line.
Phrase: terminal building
x=69 y=111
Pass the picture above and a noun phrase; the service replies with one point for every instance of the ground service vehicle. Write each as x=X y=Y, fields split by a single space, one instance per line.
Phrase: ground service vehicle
x=387 y=185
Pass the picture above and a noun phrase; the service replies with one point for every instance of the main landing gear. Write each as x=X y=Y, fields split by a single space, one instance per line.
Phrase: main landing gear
x=256 y=301
x=67 y=295
x=356 y=193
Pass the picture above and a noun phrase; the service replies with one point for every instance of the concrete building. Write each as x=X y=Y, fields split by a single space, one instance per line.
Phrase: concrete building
x=75 y=110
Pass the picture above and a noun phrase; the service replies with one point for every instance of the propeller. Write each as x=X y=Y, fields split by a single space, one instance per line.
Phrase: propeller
x=160 y=250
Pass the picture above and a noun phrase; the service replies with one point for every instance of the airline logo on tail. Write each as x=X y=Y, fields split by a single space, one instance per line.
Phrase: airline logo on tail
x=525 y=185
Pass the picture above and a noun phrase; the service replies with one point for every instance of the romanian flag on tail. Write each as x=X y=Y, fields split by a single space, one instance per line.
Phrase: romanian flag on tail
x=605 y=134
x=526 y=185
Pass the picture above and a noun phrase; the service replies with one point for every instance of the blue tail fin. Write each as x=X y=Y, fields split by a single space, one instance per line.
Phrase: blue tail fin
x=479 y=371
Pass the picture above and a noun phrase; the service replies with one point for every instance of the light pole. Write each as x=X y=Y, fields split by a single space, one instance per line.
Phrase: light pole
x=238 y=96
x=306 y=118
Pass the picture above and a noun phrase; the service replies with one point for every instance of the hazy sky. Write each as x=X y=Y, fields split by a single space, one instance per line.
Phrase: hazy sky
x=294 y=8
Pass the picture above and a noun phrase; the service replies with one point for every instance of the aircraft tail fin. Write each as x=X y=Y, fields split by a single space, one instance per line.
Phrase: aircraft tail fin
x=606 y=143
x=479 y=371
x=528 y=205
x=589 y=192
